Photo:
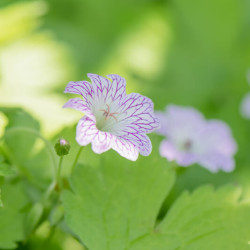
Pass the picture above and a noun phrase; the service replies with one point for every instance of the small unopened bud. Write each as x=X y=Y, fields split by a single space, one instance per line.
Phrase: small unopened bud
x=62 y=147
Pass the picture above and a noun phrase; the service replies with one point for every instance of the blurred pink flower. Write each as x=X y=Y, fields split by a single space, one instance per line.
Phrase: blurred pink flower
x=112 y=118
x=191 y=139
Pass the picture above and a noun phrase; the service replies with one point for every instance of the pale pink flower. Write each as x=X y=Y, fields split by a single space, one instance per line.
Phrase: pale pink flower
x=113 y=119
x=192 y=139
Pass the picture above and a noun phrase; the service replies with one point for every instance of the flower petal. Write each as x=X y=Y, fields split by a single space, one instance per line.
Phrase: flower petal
x=137 y=111
x=102 y=142
x=80 y=105
x=215 y=161
x=85 y=131
x=101 y=86
x=88 y=133
x=140 y=141
x=163 y=122
x=125 y=148
x=216 y=137
x=182 y=123
x=118 y=90
x=82 y=88
x=169 y=151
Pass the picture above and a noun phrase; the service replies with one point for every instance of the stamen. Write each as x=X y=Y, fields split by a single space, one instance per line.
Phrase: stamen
x=112 y=115
x=107 y=113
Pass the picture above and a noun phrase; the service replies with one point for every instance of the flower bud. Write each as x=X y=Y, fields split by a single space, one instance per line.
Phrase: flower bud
x=62 y=147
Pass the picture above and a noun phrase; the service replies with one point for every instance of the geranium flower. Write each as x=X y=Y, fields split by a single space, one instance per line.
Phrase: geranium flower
x=191 y=139
x=112 y=118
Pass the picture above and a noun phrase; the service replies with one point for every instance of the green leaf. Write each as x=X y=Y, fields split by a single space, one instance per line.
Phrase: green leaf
x=205 y=219
x=6 y=170
x=118 y=202
x=20 y=142
x=115 y=206
x=21 y=134
x=11 y=215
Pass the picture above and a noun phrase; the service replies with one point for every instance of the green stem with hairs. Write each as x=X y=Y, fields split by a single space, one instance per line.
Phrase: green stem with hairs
x=58 y=180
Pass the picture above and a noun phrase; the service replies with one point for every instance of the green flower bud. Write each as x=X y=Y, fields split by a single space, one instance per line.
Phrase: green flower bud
x=62 y=147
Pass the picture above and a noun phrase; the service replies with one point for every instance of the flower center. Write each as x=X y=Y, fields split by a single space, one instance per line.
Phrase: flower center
x=107 y=119
x=107 y=113
x=187 y=145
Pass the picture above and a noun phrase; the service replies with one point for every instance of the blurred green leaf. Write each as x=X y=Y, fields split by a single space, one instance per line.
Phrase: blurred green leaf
x=18 y=141
x=6 y=170
x=91 y=31
x=116 y=203
x=21 y=134
x=19 y=19
x=56 y=214
x=11 y=215
x=33 y=217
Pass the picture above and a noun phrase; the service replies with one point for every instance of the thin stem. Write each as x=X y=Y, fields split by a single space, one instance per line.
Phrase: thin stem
x=59 y=172
x=76 y=160
x=37 y=134
x=48 y=192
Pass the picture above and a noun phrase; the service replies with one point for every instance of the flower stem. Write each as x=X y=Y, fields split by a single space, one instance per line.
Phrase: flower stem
x=59 y=172
x=76 y=160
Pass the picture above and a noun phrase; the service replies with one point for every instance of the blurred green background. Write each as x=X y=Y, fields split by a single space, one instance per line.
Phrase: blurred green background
x=193 y=53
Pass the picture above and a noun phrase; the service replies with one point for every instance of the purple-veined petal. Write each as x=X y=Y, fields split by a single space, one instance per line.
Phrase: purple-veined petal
x=118 y=89
x=102 y=142
x=125 y=148
x=141 y=142
x=137 y=115
x=80 y=105
x=101 y=86
x=82 y=88
x=85 y=131
x=88 y=133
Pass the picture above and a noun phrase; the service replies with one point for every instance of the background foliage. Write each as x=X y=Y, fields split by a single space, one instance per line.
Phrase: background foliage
x=193 y=53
